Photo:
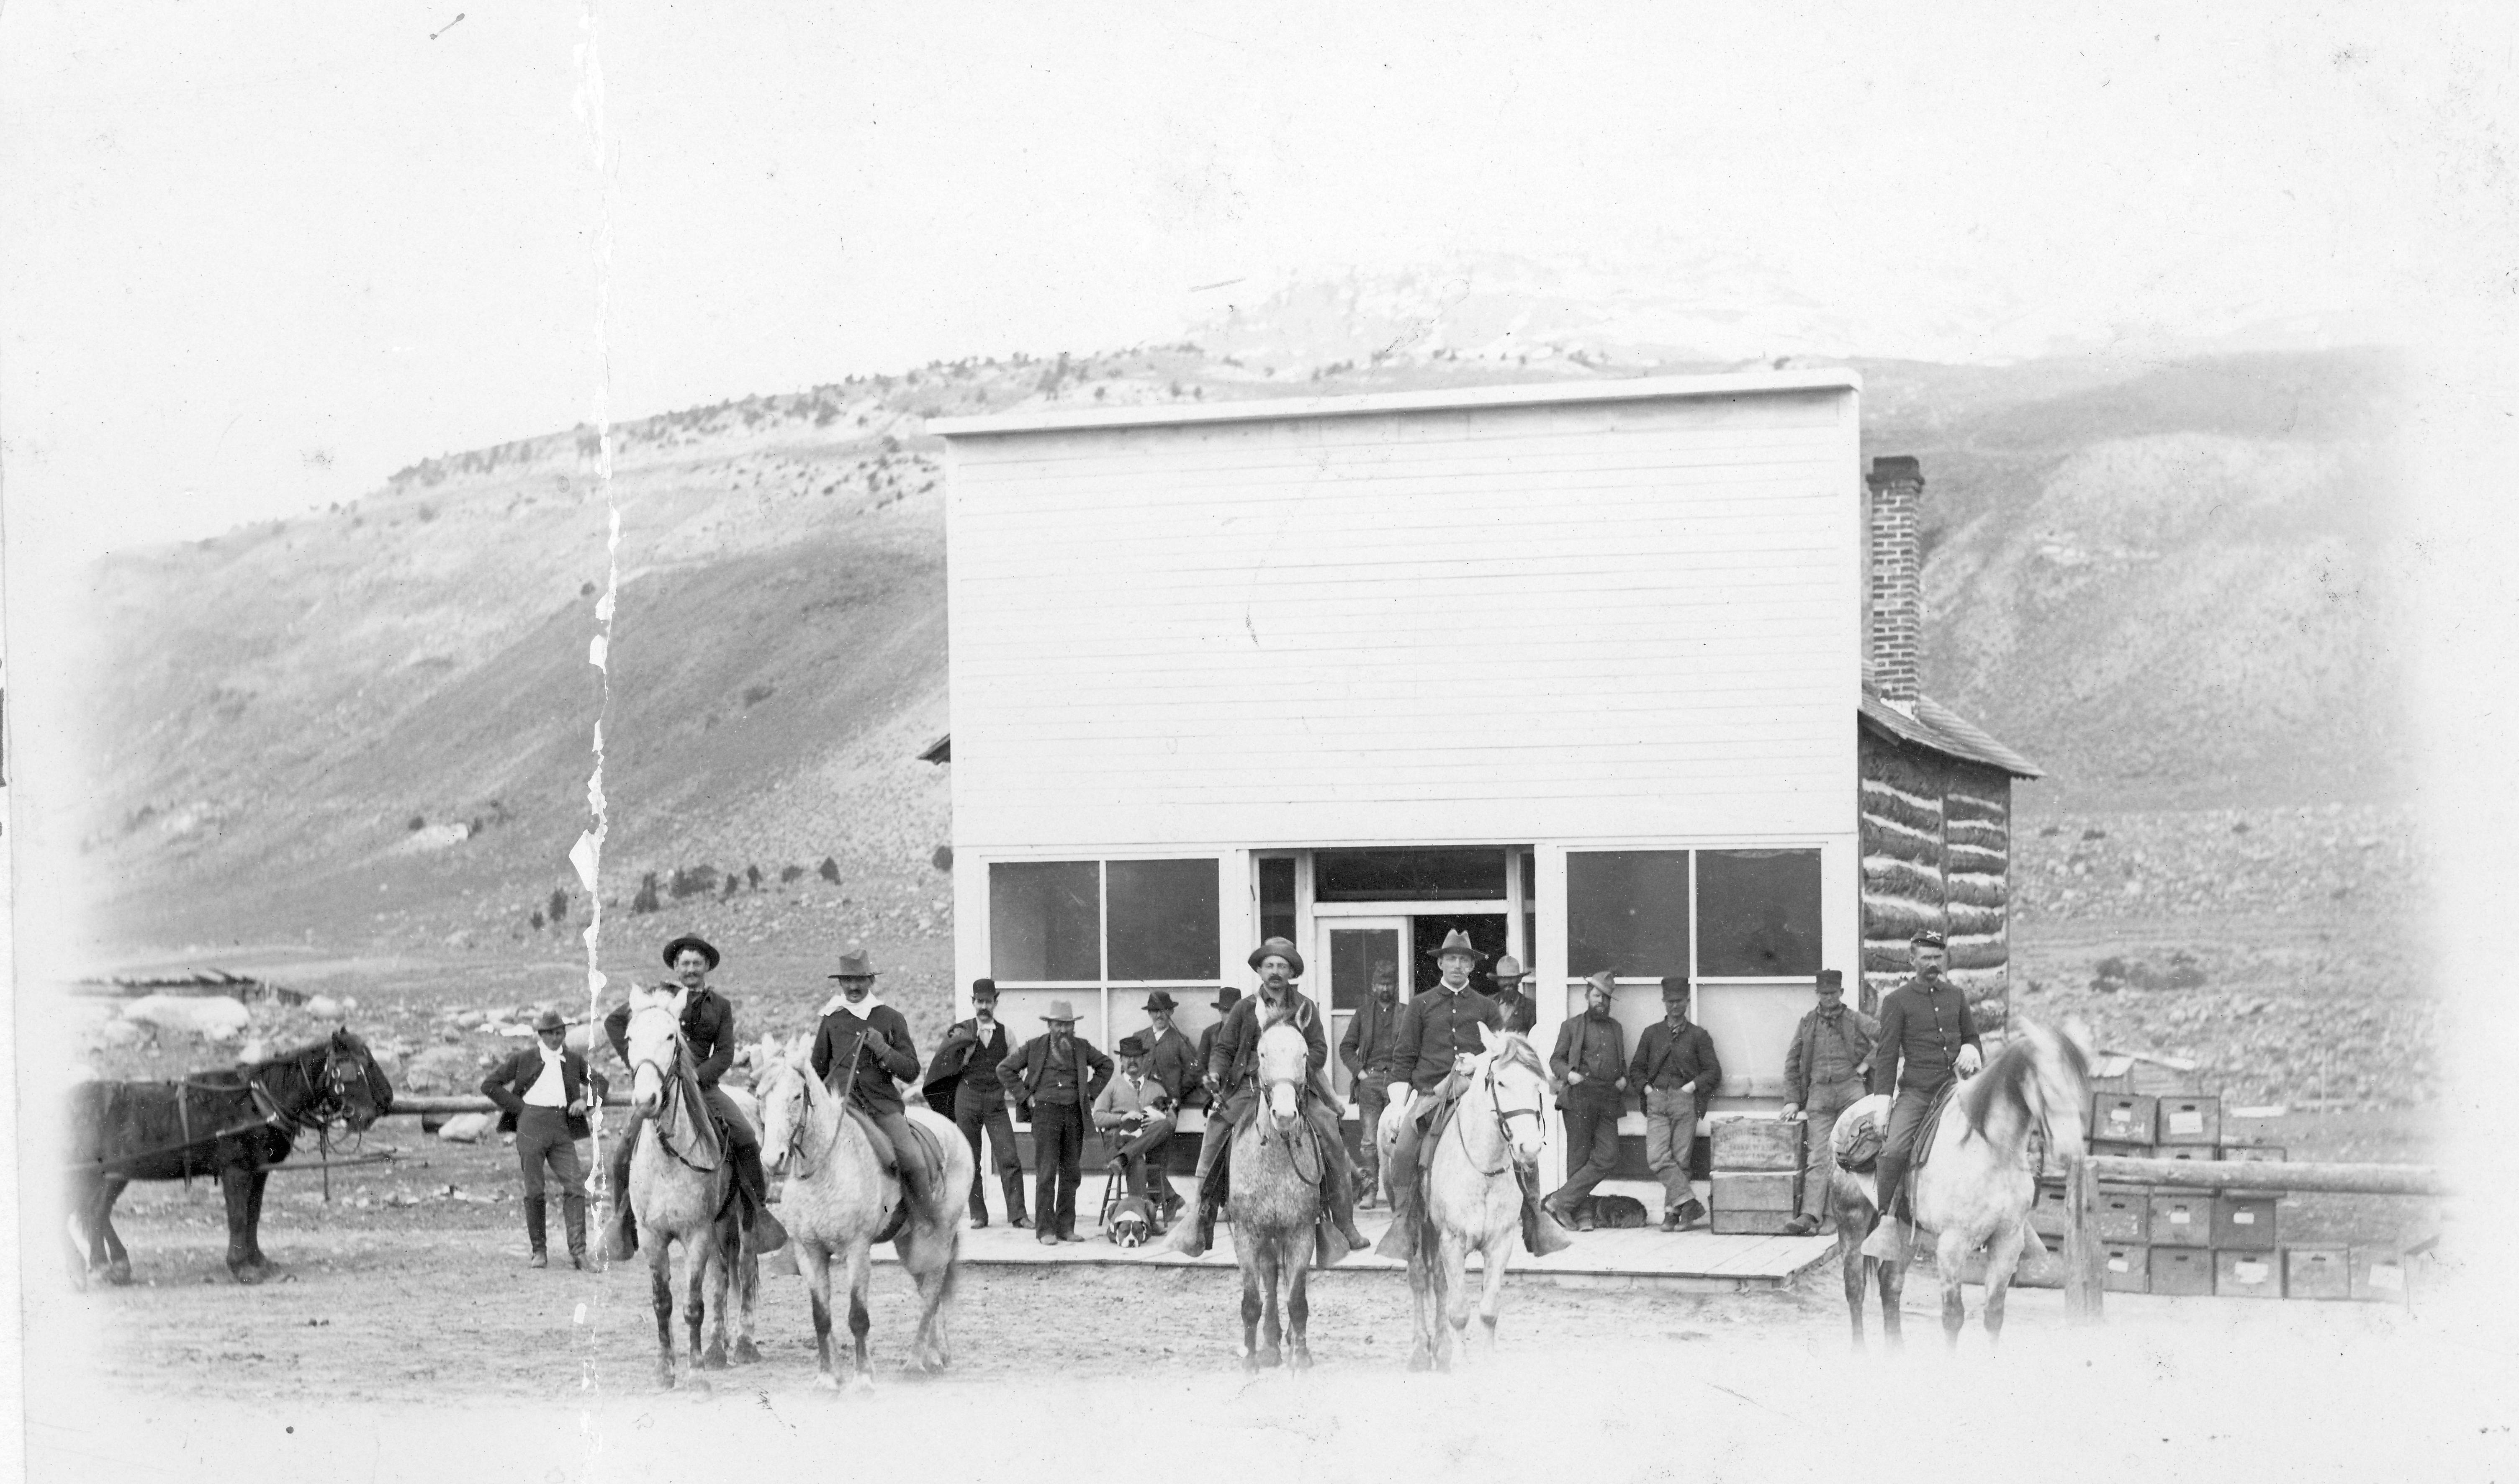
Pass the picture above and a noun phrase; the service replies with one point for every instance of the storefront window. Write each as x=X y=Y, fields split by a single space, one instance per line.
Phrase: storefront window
x=1162 y=919
x=1626 y=911
x=1046 y=920
x=1758 y=913
x=1431 y=874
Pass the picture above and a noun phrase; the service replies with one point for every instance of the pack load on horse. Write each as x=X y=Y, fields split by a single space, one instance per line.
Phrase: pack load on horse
x=682 y=1188
x=1233 y=1067
x=1442 y=1032
x=707 y=1030
x=1971 y=1178
x=1474 y=1193
x=844 y=1194
x=232 y=1124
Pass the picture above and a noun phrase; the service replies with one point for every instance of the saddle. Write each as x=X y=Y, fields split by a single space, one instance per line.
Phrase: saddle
x=928 y=1150
x=1859 y=1145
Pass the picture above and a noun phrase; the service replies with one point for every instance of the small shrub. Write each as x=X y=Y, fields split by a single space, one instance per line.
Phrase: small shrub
x=417 y=824
x=830 y=870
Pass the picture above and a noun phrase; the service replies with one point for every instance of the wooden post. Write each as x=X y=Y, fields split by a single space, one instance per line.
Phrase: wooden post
x=2084 y=1262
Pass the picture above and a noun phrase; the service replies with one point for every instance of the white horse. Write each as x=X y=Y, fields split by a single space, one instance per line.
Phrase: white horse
x=680 y=1179
x=840 y=1200
x=1974 y=1192
x=1472 y=1198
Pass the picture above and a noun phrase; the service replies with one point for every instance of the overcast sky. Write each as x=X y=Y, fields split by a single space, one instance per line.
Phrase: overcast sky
x=257 y=257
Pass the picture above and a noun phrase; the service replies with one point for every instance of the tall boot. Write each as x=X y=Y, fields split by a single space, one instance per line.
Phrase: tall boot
x=625 y=1225
x=768 y=1235
x=1191 y=1236
x=534 y=1232
x=1338 y=1192
x=573 y=1211
x=1887 y=1240
x=1014 y=1183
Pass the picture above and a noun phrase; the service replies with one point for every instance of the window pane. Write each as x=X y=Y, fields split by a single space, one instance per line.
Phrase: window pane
x=1757 y=912
x=1277 y=899
x=1046 y=920
x=1162 y=919
x=1411 y=875
x=1626 y=911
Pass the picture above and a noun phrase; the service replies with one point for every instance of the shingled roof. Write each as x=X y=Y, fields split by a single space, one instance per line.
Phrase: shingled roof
x=1945 y=732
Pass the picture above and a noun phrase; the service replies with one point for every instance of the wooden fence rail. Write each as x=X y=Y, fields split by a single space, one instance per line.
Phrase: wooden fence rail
x=464 y=1103
x=2085 y=1256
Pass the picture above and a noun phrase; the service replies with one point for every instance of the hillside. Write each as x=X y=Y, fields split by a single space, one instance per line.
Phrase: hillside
x=375 y=726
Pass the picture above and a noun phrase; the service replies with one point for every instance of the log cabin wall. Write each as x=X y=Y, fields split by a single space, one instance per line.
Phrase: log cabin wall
x=1936 y=839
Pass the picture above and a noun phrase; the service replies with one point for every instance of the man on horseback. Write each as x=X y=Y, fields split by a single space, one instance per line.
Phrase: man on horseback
x=1925 y=1041
x=708 y=1028
x=1438 y=1030
x=1233 y=1069
x=867 y=1044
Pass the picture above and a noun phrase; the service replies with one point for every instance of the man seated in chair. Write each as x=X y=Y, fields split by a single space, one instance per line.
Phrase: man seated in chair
x=1137 y=1109
x=1438 y=1031
x=860 y=1047
x=1234 y=1074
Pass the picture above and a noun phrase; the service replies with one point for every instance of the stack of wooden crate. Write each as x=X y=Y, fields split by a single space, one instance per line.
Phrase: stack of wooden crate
x=1757 y=1176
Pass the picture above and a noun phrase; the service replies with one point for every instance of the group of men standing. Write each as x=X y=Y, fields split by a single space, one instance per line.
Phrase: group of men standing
x=1408 y=1053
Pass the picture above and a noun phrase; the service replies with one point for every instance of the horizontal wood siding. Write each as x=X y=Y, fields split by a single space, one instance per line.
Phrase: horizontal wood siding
x=1501 y=623
x=1936 y=840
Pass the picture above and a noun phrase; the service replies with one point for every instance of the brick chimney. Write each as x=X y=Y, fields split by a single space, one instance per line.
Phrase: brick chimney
x=1894 y=610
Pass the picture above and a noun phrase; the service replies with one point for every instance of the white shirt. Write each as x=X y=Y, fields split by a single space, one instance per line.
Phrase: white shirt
x=550 y=1090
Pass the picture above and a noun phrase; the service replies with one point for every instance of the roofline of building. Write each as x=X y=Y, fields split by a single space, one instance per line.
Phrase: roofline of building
x=1448 y=399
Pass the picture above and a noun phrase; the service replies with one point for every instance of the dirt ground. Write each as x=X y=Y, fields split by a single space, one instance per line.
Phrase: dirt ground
x=390 y=1348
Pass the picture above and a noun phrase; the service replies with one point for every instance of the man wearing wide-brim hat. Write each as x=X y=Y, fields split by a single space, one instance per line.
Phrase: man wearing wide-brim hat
x=1520 y=1011
x=1233 y=1068
x=1204 y=1096
x=1057 y=1077
x=544 y=1093
x=1925 y=1041
x=865 y=1045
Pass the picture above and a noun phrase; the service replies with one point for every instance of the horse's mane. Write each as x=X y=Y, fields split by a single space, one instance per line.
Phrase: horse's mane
x=2009 y=1075
x=1515 y=1050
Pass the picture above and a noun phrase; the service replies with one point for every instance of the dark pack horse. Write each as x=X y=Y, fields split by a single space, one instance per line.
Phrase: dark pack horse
x=232 y=1124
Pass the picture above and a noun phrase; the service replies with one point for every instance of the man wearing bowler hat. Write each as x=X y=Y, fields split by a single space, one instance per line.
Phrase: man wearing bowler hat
x=708 y=1028
x=1057 y=1077
x=863 y=1045
x=1226 y=999
x=1823 y=1071
x=963 y=1078
x=1926 y=1039
x=543 y=1093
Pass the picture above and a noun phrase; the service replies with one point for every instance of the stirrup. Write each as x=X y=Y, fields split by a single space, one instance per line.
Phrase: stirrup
x=1887 y=1241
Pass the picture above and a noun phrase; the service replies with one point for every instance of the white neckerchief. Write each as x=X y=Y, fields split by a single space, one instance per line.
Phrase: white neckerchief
x=863 y=1010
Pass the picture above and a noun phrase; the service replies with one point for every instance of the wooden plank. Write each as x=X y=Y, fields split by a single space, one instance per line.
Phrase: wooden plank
x=2085 y=1256
x=2329 y=1179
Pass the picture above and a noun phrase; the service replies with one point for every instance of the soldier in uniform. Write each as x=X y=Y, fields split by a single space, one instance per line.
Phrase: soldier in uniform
x=1926 y=1039
x=708 y=1027
x=1520 y=1011
x=1823 y=1071
x=1437 y=1030
x=1365 y=1051
x=963 y=1078
x=1234 y=1072
x=865 y=1044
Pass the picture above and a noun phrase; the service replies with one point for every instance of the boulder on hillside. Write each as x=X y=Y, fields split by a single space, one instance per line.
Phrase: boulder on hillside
x=213 y=1018
x=468 y=1128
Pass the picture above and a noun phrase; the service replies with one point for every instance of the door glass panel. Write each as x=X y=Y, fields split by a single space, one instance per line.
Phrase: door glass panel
x=1354 y=953
x=1277 y=897
x=1626 y=911
x=1758 y=913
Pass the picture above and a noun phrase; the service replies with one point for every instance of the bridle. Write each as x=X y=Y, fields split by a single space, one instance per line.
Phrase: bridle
x=669 y=1087
x=807 y=1168
x=1504 y=1117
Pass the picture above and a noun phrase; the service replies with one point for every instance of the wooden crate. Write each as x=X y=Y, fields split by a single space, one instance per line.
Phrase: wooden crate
x=2049 y=1215
x=2242 y=1127
x=2183 y=1271
x=2189 y=1121
x=2317 y=1272
x=2246 y=1275
x=1754 y=1190
x=2182 y=1219
x=1746 y=1223
x=2125 y=1267
x=2124 y=1150
x=2379 y=1275
x=2243 y=1223
x=2124 y=1215
x=1758 y=1143
x=2185 y=1152
x=2123 y=1117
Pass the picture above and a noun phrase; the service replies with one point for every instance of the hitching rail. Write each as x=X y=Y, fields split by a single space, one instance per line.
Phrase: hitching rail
x=2085 y=1256
x=466 y=1103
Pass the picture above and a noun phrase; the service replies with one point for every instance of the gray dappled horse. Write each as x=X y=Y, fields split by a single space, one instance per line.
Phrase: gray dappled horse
x=1974 y=1192
x=1274 y=1201
x=840 y=1200
x=681 y=1179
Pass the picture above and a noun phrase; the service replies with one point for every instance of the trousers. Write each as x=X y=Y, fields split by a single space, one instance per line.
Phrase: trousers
x=1058 y=1154
x=1372 y=1099
x=1591 y=1146
x=976 y=1111
x=1671 y=1139
x=1819 y=1138
x=542 y=1139
x=1898 y=1141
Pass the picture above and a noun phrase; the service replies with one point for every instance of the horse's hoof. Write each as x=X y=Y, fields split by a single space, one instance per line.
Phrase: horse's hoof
x=249 y=1276
x=1302 y=1359
x=1419 y=1360
x=119 y=1275
x=713 y=1358
x=746 y=1353
x=1271 y=1358
x=664 y=1378
x=826 y=1382
x=1251 y=1365
x=697 y=1384
x=862 y=1383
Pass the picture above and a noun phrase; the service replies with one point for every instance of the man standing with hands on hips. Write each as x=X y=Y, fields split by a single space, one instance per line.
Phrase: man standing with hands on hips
x=963 y=1078
x=543 y=1095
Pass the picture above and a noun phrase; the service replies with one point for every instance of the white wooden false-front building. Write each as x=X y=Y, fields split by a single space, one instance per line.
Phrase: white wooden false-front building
x=1579 y=670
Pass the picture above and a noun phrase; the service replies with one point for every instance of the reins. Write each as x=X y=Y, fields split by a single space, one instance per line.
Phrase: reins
x=324 y=1107
x=1504 y=1117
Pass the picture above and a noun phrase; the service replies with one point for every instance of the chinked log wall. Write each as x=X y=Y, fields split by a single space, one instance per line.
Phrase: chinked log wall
x=1936 y=853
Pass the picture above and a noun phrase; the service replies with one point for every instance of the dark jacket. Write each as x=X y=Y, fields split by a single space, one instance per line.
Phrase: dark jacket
x=1598 y=1048
x=1816 y=1044
x=708 y=1024
x=1235 y=1060
x=1436 y=1025
x=1032 y=1059
x=1923 y=1027
x=1204 y=1096
x=509 y=1081
x=1175 y=1064
x=1670 y=1059
x=1372 y=1035
x=872 y=1089
x=1520 y=1011
x=963 y=1059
